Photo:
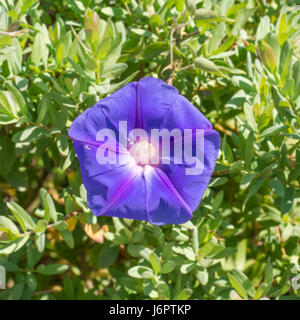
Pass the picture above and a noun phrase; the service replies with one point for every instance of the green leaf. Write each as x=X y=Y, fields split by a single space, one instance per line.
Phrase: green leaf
x=296 y=76
x=285 y=61
x=18 y=98
x=14 y=246
x=40 y=226
x=50 y=211
x=218 y=182
x=249 y=147
x=204 y=14
x=202 y=276
x=8 y=104
x=140 y=272
x=68 y=287
x=168 y=266
x=273 y=42
x=91 y=22
x=243 y=279
x=241 y=19
x=207 y=65
x=52 y=269
x=246 y=180
x=271 y=131
x=267 y=55
x=268 y=278
x=206 y=249
x=31 y=282
x=217 y=37
x=195 y=239
x=260 y=291
x=155 y=21
x=114 y=12
x=68 y=238
x=155 y=49
x=242 y=83
x=115 y=70
x=287 y=232
x=40 y=241
x=287 y=200
x=108 y=256
x=92 y=65
x=225 y=45
x=189 y=253
x=16 y=291
x=29 y=134
x=33 y=255
x=38 y=49
x=217 y=201
x=277 y=187
x=114 y=52
x=104 y=48
x=7 y=225
x=155 y=263
x=60 y=52
x=263 y=28
x=237 y=285
x=272 y=213
x=187 y=268
x=22 y=216
x=184 y=294
x=253 y=189
x=79 y=70
x=191 y=5
x=248 y=110
x=7 y=155
x=241 y=254
x=27 y=4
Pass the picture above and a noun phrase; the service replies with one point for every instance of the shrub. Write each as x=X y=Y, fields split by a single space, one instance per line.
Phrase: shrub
x=237 y=62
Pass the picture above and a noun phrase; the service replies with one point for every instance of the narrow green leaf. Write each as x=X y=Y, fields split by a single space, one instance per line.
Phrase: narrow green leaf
x=52 y=269
x=217 y=37
x=91 y=21
x=40 y=241
x=14 y=246
x=22 y=216
x=7 y=225
x=155 y=263
x=50 y=211
x=238 y=287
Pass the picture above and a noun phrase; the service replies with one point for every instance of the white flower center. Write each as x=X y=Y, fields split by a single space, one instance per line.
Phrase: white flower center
x=143 y=152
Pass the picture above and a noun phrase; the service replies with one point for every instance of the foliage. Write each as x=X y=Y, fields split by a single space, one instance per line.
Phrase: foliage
x=235 y=60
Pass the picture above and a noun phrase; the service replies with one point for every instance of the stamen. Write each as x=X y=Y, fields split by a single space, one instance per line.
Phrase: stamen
x=143 y=152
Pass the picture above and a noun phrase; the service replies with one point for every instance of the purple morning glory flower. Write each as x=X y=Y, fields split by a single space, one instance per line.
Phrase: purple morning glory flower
x=135 y=186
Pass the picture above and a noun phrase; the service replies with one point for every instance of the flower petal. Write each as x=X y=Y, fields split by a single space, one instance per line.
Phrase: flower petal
x=121 y=106
x=124 y=199
x=164 y=204
x=112 y=189
x=184 y=115
x=155 y=99
x=128 y=201
x=192 y=187
x=86 y=126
